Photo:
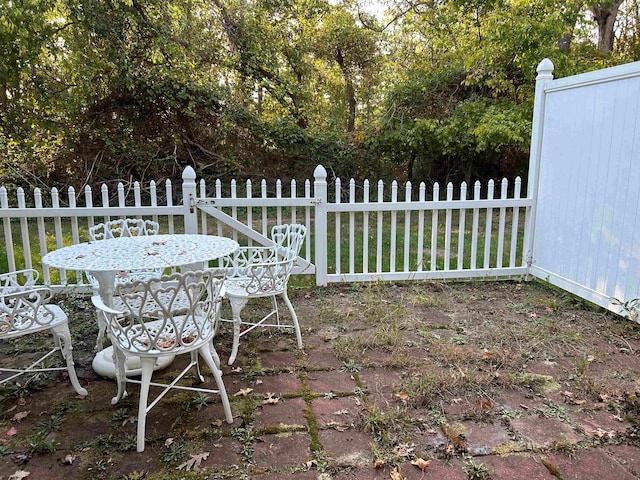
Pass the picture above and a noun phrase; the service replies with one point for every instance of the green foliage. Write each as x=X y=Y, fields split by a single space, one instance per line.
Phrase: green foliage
x=94 y=91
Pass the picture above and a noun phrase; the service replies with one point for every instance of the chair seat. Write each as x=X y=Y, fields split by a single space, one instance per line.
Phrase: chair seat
x=46 y=318
x=158 y=337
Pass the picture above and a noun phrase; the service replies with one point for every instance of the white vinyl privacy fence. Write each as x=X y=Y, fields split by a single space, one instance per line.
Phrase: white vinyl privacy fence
x=585 y=179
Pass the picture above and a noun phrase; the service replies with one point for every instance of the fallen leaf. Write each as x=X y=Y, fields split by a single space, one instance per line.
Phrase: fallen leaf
x=12 y=432
x=12 y=409
x=456 y=401
x=19 y=416
x=258 y=382
x=217 y=423
x=236 y=369
x=19 y=475
x=431 y=431
x=421 y=463
x=168 y=442
x=193 y=463
x=136 y=475
x=344 y=411
x=22 y=401
x=403 y=395
x=486 y=354
x=578 y=402
x=484 y=403
x=243 y=392
x=340 y=427
x=524 y=407
x=69 y=459
x=590 y=358
x=270 y=399
x=358 y=402
x=378 y=463
x=396 y=475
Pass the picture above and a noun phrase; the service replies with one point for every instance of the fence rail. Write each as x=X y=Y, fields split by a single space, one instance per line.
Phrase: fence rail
x=356 y=233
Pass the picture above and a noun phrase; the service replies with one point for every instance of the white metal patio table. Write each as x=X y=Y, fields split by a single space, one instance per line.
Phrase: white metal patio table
x=104 y=259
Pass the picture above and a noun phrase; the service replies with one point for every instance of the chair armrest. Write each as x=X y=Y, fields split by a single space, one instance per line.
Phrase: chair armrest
x=12 y=279
x=100 y=305
x=26 y=292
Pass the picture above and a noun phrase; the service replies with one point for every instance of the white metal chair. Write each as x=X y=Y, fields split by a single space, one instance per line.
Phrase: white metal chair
x=24 y=309
x=127 y=227
x=255 y=272
x=156 y=323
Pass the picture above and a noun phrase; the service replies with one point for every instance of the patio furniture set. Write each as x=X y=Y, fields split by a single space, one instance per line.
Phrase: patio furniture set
x=150 y=317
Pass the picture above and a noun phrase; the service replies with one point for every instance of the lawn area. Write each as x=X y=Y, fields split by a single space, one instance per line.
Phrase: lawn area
x=484 y=380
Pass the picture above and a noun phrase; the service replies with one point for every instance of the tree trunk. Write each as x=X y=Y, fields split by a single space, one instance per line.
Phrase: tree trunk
x=604 y=14
x=349 y=91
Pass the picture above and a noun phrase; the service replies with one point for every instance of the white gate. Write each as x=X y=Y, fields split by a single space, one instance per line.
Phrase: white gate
x=585 y=181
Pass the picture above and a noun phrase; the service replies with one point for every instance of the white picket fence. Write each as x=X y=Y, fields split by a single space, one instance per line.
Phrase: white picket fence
x=355 y=234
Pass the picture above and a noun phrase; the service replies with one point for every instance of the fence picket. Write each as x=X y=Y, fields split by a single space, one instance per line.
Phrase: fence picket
x=8 y=234
x=501 y=223
x=434 y=227
x=55 y=203
x=365 y=229
x=474 y=230
x=234 y=209
x=447 y=229
x=249 y=194
x=379 y=228
x=294 y=194
x=461 y=227
x=394 y=219
x=488 y=227
x=153 y=198
x=338 y=192
x=104 y=192
x=407 y=227
x=204 y=227
x=352 y=226
x=88 y=201
x=421 y=198
x=169 y=194
x=42 y=234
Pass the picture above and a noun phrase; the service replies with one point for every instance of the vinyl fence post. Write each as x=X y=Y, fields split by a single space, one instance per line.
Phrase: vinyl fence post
x=189 y=200
x=545 y=74
x=320 y=234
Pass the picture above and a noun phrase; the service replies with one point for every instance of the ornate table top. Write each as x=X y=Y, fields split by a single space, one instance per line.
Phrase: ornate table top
x=144 y=252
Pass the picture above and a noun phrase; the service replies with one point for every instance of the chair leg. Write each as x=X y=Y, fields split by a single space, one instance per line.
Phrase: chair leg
x=196 y=364
x=102 y=328
x=119 y=360
x=62 y=339
x=215 y=356
x=205 y=352
x=147 y=364
x=237 y=304
x=294 y=317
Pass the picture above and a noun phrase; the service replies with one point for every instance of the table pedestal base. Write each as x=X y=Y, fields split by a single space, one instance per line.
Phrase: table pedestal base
x=103 y=364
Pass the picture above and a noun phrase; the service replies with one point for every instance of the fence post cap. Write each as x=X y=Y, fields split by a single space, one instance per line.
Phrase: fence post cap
x=189 y=173
x=545 y=68
x=320 y=172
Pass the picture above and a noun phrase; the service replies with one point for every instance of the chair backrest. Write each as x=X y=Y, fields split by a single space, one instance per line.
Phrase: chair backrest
x=166 y=314
x=23 y=310
x=127 y=227
x=289 y=238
